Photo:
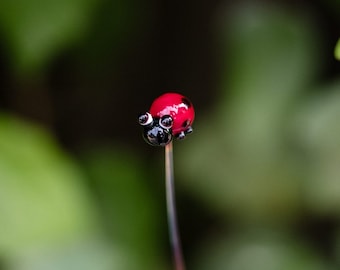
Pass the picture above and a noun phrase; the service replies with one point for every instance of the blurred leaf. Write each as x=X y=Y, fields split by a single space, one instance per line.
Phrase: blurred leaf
x=239 y=159
x=42 y=200
x=337 y=50
x=78 y=256
x=36 y=30
x=254 y=250
x=128 y=204
x=317 y=131
x=48 y=221
x=270 y=63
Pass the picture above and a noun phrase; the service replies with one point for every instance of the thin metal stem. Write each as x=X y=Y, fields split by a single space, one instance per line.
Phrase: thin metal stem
x=171 y=208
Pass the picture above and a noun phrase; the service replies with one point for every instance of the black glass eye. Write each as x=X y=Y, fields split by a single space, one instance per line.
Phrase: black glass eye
x=145 y=119
x=166 y=122
x=157 y=136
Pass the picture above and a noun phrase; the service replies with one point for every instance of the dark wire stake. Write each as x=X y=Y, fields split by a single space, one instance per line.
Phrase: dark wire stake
x=171 y=208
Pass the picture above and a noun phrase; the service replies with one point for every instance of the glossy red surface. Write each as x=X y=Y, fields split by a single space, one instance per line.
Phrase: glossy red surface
x=178 y=107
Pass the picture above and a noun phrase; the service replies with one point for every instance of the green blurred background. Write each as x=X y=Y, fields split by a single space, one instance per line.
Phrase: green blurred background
x=258 y=183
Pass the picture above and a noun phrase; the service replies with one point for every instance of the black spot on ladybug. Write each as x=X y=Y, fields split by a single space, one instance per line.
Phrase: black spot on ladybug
x=185 y=123
x=186 y=102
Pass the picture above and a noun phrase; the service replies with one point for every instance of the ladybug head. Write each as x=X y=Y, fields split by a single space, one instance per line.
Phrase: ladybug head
x=156 y=131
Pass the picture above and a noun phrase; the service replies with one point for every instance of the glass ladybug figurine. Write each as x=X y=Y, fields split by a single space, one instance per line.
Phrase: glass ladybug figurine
x=171 y=115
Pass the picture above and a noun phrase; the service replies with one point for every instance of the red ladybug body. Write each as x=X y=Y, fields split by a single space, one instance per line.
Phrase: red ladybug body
x=178 y=107
x=171 y=115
